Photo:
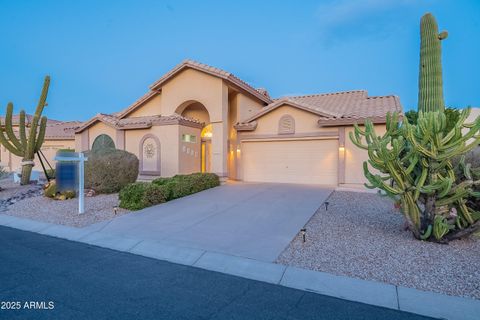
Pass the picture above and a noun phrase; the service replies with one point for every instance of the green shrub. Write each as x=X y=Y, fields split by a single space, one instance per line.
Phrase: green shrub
x=161 y=181
x=109 y=170
x=153 y=195
x=139 y=195
x=131 y=196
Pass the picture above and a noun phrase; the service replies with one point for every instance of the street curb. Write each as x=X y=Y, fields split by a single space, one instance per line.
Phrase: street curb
x=424 y=303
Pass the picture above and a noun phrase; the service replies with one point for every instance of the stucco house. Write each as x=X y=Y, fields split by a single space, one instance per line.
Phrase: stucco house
x=201 y=118
x=198 y=118
x=58 y=135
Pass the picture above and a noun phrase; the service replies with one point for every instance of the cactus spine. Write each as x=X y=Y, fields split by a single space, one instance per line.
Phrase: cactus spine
x=430 y=83
x=24 y=145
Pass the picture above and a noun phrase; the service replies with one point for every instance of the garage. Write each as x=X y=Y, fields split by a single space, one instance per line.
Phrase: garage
x=291 y=161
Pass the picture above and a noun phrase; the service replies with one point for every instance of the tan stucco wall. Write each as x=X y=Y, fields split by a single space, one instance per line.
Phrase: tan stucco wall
x=305 y=122
x=150 y=108
x=100 y=128
x=193 y=85
x=189 y=153
x=354 y=157
x=247 y=107
x=168 y=136
x=49 y=148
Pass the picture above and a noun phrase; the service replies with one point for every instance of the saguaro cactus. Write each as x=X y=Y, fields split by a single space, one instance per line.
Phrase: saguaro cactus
x=430 y=83
x=24 y=145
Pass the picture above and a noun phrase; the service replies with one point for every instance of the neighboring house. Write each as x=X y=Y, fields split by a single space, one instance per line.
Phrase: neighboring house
x=58 y=135
x=200 y=118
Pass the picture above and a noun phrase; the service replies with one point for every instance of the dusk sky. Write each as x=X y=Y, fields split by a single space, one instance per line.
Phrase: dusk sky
x=103 y=55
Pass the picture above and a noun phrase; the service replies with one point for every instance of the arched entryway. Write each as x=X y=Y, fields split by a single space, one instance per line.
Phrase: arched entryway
x=196 y=110
x=150 y=155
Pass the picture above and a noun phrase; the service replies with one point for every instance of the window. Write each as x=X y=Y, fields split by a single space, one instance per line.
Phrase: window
x=286 y=125
x=189 y=138
x=102 y=142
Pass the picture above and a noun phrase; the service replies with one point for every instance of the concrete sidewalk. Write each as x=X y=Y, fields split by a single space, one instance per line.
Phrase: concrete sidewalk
x=374 y=293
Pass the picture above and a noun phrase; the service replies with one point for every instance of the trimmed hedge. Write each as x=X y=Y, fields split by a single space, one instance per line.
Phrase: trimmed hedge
x=109 y=170
x=140 y=195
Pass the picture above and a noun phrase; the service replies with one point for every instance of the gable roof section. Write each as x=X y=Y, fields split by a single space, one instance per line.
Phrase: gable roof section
x=144 y=122
x=289 y=102
x=216 y=72
x=340 y=108
x=155 y=88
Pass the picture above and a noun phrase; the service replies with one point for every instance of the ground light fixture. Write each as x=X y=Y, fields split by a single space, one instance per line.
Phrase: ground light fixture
x=115 y=209
x=326 y=203
x=303 y=232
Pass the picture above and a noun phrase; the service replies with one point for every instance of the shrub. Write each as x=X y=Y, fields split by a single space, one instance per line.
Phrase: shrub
x=109 y=170
x=50 y=189
x=140 y=195
x=131 y=196
x=153 y=195
x=161 y=181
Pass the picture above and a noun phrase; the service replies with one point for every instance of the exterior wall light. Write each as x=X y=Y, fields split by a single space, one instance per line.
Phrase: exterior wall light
x=238 y=149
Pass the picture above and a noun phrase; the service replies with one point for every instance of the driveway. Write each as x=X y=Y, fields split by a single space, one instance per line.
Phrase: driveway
x=252 y=220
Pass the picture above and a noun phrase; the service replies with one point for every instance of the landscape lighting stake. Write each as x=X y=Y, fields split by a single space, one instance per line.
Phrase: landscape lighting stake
x=326 y=205
x=115 y=210
x=304 y=233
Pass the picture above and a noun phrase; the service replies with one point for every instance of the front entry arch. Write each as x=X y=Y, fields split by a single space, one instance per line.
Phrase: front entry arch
x=149 y=152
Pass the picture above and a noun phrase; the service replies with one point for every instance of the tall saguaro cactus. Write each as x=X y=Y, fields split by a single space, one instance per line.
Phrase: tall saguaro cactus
x=415 y=164
x=430 y=82
x=26 y=145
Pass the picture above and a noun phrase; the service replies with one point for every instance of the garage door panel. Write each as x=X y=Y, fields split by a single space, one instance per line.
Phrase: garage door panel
x=298 y=161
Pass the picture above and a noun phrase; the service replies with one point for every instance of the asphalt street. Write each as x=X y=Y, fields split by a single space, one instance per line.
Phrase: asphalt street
x=43 y=277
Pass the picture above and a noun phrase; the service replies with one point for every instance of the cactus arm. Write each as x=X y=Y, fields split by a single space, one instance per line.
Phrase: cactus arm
x=41 y=134
x=23 y=136
x=32 y=143
x=7 y=144
x=9 y=127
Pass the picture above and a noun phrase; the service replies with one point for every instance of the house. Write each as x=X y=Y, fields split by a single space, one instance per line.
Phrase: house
x=58 y=135
x=201 y=118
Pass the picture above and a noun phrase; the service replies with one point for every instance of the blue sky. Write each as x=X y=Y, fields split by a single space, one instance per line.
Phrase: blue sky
x=102 y=55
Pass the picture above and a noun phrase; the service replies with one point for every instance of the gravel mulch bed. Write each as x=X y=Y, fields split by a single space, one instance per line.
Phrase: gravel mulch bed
x=28 y=202
x=362 y=235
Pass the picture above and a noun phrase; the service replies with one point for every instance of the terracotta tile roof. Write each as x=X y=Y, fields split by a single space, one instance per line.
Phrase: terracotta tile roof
x=62 y=130
x=138 y=122
x=28 y=119
x=155 y=88
x=213 y=71
x=339 y=107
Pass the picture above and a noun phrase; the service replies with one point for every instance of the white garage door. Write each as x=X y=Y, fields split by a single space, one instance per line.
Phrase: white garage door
x=295 y=161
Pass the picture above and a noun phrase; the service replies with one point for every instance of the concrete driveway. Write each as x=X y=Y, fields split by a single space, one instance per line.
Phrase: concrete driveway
x=251 y=220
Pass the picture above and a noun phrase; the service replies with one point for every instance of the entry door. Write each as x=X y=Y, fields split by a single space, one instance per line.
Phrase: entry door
x=206 y=156
x=294 y=161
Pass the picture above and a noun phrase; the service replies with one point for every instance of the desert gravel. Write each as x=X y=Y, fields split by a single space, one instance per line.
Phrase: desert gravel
x=65 y=212
x=362 y=235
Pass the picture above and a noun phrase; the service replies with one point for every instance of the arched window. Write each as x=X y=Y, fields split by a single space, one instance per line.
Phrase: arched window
x=286 y=125
x=103 y=142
